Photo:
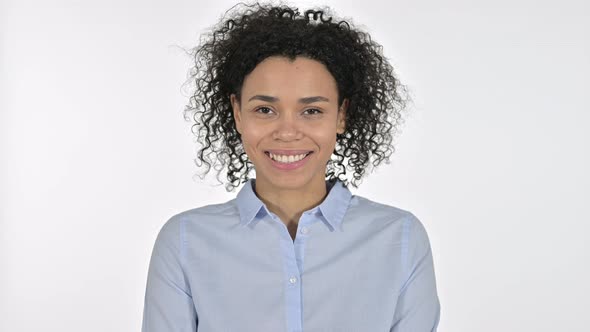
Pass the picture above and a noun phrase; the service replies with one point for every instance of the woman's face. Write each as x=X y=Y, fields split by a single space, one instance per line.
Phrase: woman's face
x=289 y=108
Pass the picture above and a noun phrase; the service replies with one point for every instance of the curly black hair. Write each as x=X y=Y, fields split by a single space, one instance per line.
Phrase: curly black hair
x=249 y=33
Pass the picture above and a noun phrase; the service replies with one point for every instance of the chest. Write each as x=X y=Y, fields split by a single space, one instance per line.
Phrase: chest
x=312 y=279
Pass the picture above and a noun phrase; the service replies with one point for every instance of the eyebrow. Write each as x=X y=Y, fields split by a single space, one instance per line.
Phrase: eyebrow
x=304 y=100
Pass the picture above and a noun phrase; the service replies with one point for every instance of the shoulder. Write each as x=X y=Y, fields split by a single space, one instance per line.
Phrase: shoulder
x=206 y=214
x=362 y=206
x=407 y=225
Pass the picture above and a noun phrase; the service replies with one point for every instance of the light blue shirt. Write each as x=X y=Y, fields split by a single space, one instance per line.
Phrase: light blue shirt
x=355 y=266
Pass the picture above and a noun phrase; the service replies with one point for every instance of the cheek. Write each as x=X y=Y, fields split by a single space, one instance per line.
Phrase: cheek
x=326 y=142
x=251 y=137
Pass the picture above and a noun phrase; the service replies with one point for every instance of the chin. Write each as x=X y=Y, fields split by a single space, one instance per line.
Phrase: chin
x=288 y=181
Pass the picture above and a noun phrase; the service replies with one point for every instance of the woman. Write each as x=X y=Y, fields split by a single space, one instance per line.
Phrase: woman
x=281 y=94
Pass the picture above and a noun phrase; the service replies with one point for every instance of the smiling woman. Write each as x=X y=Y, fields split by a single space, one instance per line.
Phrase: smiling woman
x=298 y=99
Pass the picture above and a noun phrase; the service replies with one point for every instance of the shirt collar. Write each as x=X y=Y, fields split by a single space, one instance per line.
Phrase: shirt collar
x=332 y=208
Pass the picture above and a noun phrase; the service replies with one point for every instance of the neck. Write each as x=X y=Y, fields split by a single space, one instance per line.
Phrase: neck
x=290 y=203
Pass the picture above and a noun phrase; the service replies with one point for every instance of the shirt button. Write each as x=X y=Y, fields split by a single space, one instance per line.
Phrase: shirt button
x=292 y=280
x=304 y=230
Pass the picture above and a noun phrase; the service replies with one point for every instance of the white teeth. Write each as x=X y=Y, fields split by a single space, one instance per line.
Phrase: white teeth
x=287 y=159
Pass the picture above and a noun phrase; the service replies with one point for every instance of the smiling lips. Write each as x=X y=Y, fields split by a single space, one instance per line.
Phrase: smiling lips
x=288 y=152
x=288 y=159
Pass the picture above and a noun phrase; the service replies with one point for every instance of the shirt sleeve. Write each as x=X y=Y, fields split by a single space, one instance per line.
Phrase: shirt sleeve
x=418 y=307
x=168 y=303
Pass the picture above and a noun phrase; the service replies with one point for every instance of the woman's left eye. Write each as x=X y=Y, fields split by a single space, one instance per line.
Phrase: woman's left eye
x=313 y=111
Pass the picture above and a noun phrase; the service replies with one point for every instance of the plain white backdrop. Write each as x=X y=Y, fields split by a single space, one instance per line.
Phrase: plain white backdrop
x=493 y=157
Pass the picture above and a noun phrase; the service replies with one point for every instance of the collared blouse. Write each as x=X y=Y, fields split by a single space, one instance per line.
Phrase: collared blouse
x=354 y=265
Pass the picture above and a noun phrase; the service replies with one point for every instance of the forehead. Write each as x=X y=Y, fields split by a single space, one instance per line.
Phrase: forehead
x=285 y=78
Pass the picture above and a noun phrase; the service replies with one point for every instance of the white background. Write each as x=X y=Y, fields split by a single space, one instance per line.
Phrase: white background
x=96 y=156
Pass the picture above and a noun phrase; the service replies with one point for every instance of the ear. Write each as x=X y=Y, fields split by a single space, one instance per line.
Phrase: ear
x=235 y=104
x=341 y=122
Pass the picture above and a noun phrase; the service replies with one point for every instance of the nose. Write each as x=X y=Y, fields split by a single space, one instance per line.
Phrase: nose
x=287 y=128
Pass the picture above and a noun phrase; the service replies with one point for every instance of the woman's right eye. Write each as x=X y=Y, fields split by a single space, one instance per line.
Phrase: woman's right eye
x=263 y=110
